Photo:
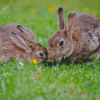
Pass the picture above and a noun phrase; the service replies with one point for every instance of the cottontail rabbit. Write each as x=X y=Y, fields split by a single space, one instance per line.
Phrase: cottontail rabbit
x=17 y=42
x=79 y=39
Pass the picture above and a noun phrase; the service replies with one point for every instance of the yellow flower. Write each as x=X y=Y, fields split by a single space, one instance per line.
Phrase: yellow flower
x=86 y=10
x=64 y=57
x=34 y=61
x=52 y=9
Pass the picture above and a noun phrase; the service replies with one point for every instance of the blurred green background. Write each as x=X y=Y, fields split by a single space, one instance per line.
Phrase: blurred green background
x=41 y=15
x=70 y=5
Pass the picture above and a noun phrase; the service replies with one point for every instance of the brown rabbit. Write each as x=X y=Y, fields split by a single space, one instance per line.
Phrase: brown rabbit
x=17 y=42
x=79 y=39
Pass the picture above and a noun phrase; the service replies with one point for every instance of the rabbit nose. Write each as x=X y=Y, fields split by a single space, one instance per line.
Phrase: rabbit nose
x=49 y=58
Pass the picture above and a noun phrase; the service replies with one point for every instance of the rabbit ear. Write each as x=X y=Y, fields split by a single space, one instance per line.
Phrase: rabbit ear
x=71 y=21
x=60 y=19
x=27 y=33
x=19 y=41
x=77 y=34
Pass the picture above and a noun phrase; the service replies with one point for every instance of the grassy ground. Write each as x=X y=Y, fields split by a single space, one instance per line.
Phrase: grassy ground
x=60 y=82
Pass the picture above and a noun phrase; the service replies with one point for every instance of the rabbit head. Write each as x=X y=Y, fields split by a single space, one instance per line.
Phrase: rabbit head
x=22 y=45
x=61 y=44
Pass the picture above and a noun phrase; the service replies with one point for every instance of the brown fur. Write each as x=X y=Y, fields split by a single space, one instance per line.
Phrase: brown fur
x=81 y=38
x=17 y=42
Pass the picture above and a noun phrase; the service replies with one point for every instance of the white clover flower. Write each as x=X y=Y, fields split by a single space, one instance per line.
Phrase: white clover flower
x=20 y=63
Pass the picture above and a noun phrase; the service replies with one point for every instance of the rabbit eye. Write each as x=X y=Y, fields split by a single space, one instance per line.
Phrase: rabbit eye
x=61 y=43
x=41 y=54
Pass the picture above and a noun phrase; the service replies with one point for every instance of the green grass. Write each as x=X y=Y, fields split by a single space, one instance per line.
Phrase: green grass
x=63 y=82
x=60 y=82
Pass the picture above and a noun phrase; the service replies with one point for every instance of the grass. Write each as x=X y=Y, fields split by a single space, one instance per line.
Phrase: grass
x=63 y=82
x=60 y=82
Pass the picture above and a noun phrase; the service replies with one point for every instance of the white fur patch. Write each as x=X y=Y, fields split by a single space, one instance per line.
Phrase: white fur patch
x=71 y=51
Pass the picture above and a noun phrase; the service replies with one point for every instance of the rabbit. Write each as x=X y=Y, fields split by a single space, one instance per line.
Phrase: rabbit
x=77 y=40
x=18 y=43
